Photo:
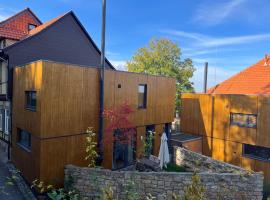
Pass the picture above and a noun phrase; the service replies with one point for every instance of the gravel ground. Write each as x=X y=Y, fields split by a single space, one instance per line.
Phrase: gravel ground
x=13 y=192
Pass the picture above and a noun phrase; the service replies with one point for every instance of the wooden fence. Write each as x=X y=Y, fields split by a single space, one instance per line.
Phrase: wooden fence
x=209 y=116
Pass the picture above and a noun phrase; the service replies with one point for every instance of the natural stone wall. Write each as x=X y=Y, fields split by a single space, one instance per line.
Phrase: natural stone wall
x=221 y=180
x=200 y=163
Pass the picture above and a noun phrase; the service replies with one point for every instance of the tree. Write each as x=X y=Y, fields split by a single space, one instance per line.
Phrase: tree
x=162 y=57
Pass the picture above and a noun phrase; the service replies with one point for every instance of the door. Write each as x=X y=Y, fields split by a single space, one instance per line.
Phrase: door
x=124 y=148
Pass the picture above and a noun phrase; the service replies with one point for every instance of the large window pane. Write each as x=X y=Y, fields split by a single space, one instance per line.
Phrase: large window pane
x=244 y=120
x=31 y=100
x=256 y=152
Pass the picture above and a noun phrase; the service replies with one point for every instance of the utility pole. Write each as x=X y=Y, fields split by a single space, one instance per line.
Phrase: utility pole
x=205 y=77
x=102 y=70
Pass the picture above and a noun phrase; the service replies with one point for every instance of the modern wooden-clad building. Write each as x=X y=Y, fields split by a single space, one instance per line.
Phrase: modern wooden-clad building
x=24 y=39
x=54 y=103
x=234 y=128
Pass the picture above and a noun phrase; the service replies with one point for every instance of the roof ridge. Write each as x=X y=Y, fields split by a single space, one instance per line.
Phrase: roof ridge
x=215 y=88
x=46 y=24
x=19 y=13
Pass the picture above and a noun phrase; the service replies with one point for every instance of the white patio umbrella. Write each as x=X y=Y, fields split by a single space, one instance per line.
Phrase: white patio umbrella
x=163 y=155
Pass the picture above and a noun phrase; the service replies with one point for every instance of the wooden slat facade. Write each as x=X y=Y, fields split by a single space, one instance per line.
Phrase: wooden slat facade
x=209 y=115
x=68 y=103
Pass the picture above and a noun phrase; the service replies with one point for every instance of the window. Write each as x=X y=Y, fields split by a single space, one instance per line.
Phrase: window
x=31 y=26
x=124 y=148
x=244 y=120
x=142 y=99
x=31 y=100
x=1 y=122
x=7 y=122
x=24 y=139
x=256 y=152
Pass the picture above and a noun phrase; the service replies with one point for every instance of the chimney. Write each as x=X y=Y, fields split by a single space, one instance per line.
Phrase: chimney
x=267 y=60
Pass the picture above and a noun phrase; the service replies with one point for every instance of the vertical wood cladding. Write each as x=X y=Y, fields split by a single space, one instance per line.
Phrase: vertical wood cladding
x=209 y=115
x=68 y=103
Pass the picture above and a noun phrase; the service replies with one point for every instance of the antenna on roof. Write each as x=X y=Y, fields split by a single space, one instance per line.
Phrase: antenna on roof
x=266 y=60
x=205 y=77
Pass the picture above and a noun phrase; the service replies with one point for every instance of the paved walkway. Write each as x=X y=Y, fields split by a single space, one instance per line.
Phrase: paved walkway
x=13 y=192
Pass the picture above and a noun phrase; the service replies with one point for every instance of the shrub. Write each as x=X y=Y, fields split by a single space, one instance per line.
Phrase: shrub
x=148 y=143
x=195 y=191
x=91 y=148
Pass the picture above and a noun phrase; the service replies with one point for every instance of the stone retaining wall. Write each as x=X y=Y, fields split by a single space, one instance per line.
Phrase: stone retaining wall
x=228 y=182
x=200 y=163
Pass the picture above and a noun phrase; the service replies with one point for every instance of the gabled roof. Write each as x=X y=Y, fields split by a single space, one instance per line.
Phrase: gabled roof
x=11 y=33
x=16 y=26
x=50 y=24
x=252 y=80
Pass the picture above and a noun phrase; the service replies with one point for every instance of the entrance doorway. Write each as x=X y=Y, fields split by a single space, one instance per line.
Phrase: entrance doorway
x=124 y=148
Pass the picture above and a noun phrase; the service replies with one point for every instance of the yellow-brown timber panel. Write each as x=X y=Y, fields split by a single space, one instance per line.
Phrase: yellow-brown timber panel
x=225 y=141
x=263 y=130
x=26 y=79
x=68 y=103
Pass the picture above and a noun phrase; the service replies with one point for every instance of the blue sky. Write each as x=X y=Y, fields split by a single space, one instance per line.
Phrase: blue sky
x=229 y=34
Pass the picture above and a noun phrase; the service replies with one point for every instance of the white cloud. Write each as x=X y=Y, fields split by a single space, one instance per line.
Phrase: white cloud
x=201 y=40
x=3 y=16
x=190 y=52
x=119 y=64
x=216 y=12
x=213 y=42
x=6 y=12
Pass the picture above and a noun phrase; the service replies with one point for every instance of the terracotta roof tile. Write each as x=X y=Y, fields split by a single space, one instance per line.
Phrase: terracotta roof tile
x=11 y=33
x=43 y=26
x=16 y=27
x=252 y=80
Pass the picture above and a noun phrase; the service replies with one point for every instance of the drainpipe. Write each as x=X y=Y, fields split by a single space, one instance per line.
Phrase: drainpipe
x=102 y=69
x=205 y=77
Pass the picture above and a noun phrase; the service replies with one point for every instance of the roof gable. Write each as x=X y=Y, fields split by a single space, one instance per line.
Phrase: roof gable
x=52 y=33
x=16 y=27
x=252 y=80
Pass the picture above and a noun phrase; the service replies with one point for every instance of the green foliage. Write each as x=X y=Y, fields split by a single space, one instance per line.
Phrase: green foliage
x=61 y=194
x=174 y=168
x=131 y=191
x=162 y=57
x=55 y=194
x=108 y=194
x=9 y=181
x=91 y=148
x=40 y=186
x=194 y=191
x=150 y=197
x=148 y=143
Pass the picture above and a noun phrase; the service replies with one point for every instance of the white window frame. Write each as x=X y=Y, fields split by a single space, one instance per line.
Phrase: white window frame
x=6 y=122
x=1 y=122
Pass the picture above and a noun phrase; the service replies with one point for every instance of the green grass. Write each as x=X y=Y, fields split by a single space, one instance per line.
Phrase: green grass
x=174 y=168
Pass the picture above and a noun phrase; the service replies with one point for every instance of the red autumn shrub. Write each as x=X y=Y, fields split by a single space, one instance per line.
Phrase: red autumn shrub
x=119 y=124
